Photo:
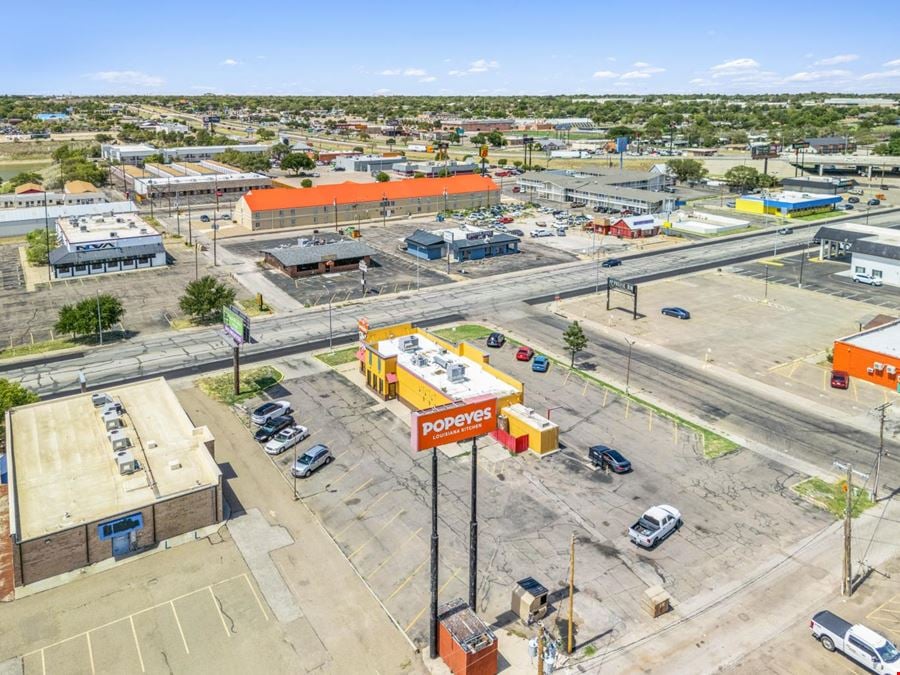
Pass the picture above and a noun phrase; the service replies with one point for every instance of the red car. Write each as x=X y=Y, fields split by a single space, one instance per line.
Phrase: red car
x=840 y=379
x=506 y=220
x=524 y=353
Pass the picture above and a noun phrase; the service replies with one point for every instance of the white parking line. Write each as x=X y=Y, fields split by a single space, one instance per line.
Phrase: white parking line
x=258 y=601
x=90 y=653
x=178 y=623
x=219 y=610
x=137 y=644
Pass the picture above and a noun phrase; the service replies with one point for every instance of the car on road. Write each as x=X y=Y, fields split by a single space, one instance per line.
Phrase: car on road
x=677 y=312
x=784 y=230
x=540 y=364
x=268 y=430
x=873 y=202
x=730 y=203
x=863 y=278
x=860 y=643
x=267 y=411
x=840 y=379
x=611 y=262
x=204 y=218
x=313 y=459
x=657 y=523
x=853 y=200
x=286 y=439
x=496 y=340
x=603 y=457
x=855 y=191
x=524 y=353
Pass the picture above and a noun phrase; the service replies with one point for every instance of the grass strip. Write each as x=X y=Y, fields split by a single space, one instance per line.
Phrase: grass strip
x=253 y=382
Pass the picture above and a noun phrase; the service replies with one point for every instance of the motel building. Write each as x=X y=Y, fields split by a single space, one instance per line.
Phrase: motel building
x=424 y=371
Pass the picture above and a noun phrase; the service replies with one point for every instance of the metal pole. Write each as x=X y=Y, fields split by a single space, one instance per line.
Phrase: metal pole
x=190 y=229
x=628 y=367
x=540 y=654
x=802 y=259
x=847 y=585
x=237 y=370
x=767 y=283
x=196 y=262
x=330 y=346
x=99 y=320
x=433 y=629
x=47 y=237
x=473 y=531
x=882 y=408
x=293 y=471
x=571 y=644
x=215 y=233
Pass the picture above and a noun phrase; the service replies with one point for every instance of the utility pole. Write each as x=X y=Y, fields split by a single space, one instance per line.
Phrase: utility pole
x=881 y=409
x=847 y=571
x=571 y=644
x=99 y=320
x=540 y=654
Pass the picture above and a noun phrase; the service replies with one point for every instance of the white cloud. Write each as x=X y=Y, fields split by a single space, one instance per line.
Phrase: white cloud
x=698 y=80
x=430 y=78
x=381 y=92
x=642 y=72
x=815 y=75
x=734 y=66
x=891 y=64
x=482 y=66
x=882 y=75
x=635 y=75
x=414 y=72
x=230 y=62
x=639 y=64
x=835 y=60
x=389 y=71
x=132 y=78
x=605 y=74
x=611 y=58
x=456 y=73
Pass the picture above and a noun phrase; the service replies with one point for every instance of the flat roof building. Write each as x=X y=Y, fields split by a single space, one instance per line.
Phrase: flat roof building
x=350 y=203
x=368 y=163
x=135 y=154
x=24 y=220
x=105 y=243
x=873 y=250
x=637 y=191
x=74 y=192
x=303 y=261
x=872 y=355
x=786 y=203
x=89 y=482
x=432 y=169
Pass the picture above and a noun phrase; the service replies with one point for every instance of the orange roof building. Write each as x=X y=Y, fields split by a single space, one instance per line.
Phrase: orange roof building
x=351 y=203
x=28 y=188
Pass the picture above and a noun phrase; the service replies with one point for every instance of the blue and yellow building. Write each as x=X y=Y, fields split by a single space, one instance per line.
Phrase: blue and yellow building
x=425 y=371
x=786 y=204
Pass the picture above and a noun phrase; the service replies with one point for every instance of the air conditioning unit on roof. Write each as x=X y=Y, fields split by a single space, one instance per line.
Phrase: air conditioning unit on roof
x=878 y=365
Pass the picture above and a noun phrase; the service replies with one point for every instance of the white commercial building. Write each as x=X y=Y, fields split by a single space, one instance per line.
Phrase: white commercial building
x=873 y=250
x=24 y=220
x=102 y=244
x=136 y=154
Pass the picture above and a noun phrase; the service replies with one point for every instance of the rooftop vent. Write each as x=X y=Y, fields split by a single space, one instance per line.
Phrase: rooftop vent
x=126 y=462
x=441 y=360
x=409 y=343
x=456 y=372
x=113 y=235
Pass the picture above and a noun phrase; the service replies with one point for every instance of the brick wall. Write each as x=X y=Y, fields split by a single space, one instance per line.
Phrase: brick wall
x=100 y=549
x=54 y=554
x=186 y=513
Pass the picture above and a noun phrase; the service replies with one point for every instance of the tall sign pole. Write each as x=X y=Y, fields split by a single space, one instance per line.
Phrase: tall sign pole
x=433 y=629
x=473 y=531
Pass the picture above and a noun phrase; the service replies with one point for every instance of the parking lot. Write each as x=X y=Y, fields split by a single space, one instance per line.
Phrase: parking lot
x=374 y=501
x=11 y=278
x=148 y=296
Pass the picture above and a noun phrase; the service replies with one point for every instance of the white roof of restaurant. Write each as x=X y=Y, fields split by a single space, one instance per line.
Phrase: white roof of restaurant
x=882 y=340
x=105 y=228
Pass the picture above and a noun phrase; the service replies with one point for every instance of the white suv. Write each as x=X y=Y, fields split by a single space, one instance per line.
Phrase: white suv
x=862 y=278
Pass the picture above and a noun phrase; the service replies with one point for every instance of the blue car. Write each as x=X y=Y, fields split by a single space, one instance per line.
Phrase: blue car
x=540 y=364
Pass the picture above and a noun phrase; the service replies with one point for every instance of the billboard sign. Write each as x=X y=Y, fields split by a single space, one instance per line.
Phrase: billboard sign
x=453 y=422
x=483 y=152
x=763 y=151
x=621 y=144
x=619 y=285
x=237 y=324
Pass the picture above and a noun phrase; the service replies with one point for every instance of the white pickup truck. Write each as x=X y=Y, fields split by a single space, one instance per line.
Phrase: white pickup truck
x=657 y=523
x=861 y=644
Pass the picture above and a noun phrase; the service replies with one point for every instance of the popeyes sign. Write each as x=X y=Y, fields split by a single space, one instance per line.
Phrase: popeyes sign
x=453 y=422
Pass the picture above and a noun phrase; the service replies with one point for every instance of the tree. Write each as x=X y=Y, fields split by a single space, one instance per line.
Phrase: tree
x=26 y=177
x=766 y=181
x=742 y=177
x=382 y=177
x=687 y=169
x=246 y=161
x=295 y=162
x=575 y=340
x=306 y=182
x=205 y=297
x=359 y=148
x=11 y=395
x=155 y=158
x=617 y=131
x=892 y=147
x=391 y=142
x=37 y=248
x=502 y=162
x=103 y=138
x=82 y=318
x=264 y=134
x=517 y=163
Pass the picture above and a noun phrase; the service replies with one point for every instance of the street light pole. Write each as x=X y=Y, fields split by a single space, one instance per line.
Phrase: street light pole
x=99 y=320
x=628 y=367
x=330 y=344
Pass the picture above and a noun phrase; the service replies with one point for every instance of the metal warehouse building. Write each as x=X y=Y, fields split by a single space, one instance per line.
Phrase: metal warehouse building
x=89 y=482
x=351 y=203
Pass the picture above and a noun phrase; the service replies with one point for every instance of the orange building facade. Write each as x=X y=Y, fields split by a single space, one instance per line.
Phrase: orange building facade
x=872 y=355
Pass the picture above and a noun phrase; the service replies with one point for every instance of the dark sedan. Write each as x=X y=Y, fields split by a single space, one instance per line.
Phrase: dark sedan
x=272 y=427
x=496 y=340
x=604 y=457
x=611 y=262
x=677 y=312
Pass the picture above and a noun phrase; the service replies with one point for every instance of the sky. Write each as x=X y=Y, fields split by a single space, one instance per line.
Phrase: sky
x=439 y=48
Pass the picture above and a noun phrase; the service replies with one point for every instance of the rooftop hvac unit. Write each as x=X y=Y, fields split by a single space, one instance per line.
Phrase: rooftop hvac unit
x=878 y=365
x=409 y=343
x=143 y=230
x=112 y=406
x=890 y=370
x=441 y=360
x=112 y=420
x=113 y=235
x=420 y=360
x=456 y=372
x=119 y=440
x=83 y=228
x=120 y=220
x=126 y=462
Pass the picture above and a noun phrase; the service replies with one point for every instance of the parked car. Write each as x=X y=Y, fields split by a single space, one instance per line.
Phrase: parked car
x=496 y=340
x=272 y=427
x=611 y=262
x=267 y=411
x=560 y=232
x=603 y=457
x=204 y=218
x=855 y=191
x=516 y=232
x=840 y=379
x=730 y=203
x=860 y=643
x=784 y=230
x=516 y=189
x=541 y=232
x=853 y=200
x=317 y=456
x=873 y=202
x=540 y=364
x=861 y=278
x=524 y=353
x=286 y=439
x=657 y=523
x=677 y=312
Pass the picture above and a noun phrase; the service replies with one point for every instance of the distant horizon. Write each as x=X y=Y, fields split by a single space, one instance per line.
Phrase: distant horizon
x=469 y=49
x=699 y=94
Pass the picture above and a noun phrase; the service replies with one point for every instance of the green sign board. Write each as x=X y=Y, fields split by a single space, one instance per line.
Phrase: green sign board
x=237 y=324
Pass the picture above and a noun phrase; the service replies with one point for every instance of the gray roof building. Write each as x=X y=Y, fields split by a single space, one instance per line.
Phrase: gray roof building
x=311 y=255
x=424 y=238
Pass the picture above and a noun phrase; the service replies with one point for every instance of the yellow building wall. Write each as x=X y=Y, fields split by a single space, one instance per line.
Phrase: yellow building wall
x=749 y=205
x=417 y=393
x=540 y=440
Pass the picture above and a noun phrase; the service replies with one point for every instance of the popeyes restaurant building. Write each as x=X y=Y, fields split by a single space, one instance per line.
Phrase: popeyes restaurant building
x=424 y=371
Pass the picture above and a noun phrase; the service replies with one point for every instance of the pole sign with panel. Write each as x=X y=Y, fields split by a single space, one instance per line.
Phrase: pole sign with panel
x=237 y=324
x=621 y=144
x=483 y=152
x=362 y=326
x=453 y=422
x=625 y=287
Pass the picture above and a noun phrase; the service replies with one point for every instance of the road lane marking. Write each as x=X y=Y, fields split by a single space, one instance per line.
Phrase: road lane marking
x=375 y=534
x=137 y=644
x=362 y=515
x=396 y=551
x=406 y=580
x=178 y=623
x=90 y=652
